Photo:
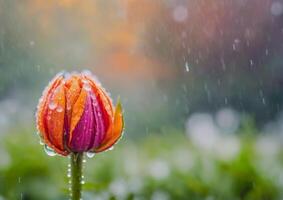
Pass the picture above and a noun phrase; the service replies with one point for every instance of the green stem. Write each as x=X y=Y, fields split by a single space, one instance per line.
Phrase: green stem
x=76 y=175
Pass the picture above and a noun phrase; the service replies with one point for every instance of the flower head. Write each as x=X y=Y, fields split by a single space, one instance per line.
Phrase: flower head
x=75 y=114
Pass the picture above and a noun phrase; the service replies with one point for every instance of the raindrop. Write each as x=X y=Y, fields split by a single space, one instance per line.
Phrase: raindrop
x=90 y=154
x=49 y=151
x=226 y=100
x=84 y=160
x=263 y=101
x=276 y=8
x=237 y=41
x=187 y=67
x=82 y=182
x=59 y=109
x=52 y=105
x=180 y=13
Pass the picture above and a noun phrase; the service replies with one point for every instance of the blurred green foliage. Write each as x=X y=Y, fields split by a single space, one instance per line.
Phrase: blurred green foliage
x=156 y=167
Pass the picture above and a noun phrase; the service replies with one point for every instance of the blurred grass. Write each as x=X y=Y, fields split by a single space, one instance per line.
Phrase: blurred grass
x=164 y=166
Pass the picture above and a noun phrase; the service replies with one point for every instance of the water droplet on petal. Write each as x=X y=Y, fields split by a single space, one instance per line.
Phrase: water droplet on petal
x=52 y=105
x=111 y=148
x=69 y=107
x=87 y=87
x=85 y=81
x=59 y=109
x=41 y=142
x=90 y=154
x=49 y=151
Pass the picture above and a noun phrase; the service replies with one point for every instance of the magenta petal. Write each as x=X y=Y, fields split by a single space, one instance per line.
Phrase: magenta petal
x=84 y=133
x=99 y=122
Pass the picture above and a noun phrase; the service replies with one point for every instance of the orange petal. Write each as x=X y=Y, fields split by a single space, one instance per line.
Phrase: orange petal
x=77 y=112
x=115 y=131
x=43 y=110
x=55 y=117
x=43 y=102
x=73 y=90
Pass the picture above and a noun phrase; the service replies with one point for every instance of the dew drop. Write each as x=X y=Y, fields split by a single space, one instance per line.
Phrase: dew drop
x=82 y=182
x=52 y=105
x=85 y=81
x=90 y=154
x=49 y=151
x=41 y=142
x=59 y=109
x=87 y=87
x=69 y=107
x=111 y=148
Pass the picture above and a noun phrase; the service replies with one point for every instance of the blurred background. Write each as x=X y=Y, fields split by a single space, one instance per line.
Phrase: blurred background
x=201 y=83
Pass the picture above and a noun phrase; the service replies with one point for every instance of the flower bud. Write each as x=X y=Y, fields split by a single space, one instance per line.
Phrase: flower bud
x=75 y=114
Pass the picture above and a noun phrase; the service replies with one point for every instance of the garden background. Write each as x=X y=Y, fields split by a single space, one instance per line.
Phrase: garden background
x=201 y=83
